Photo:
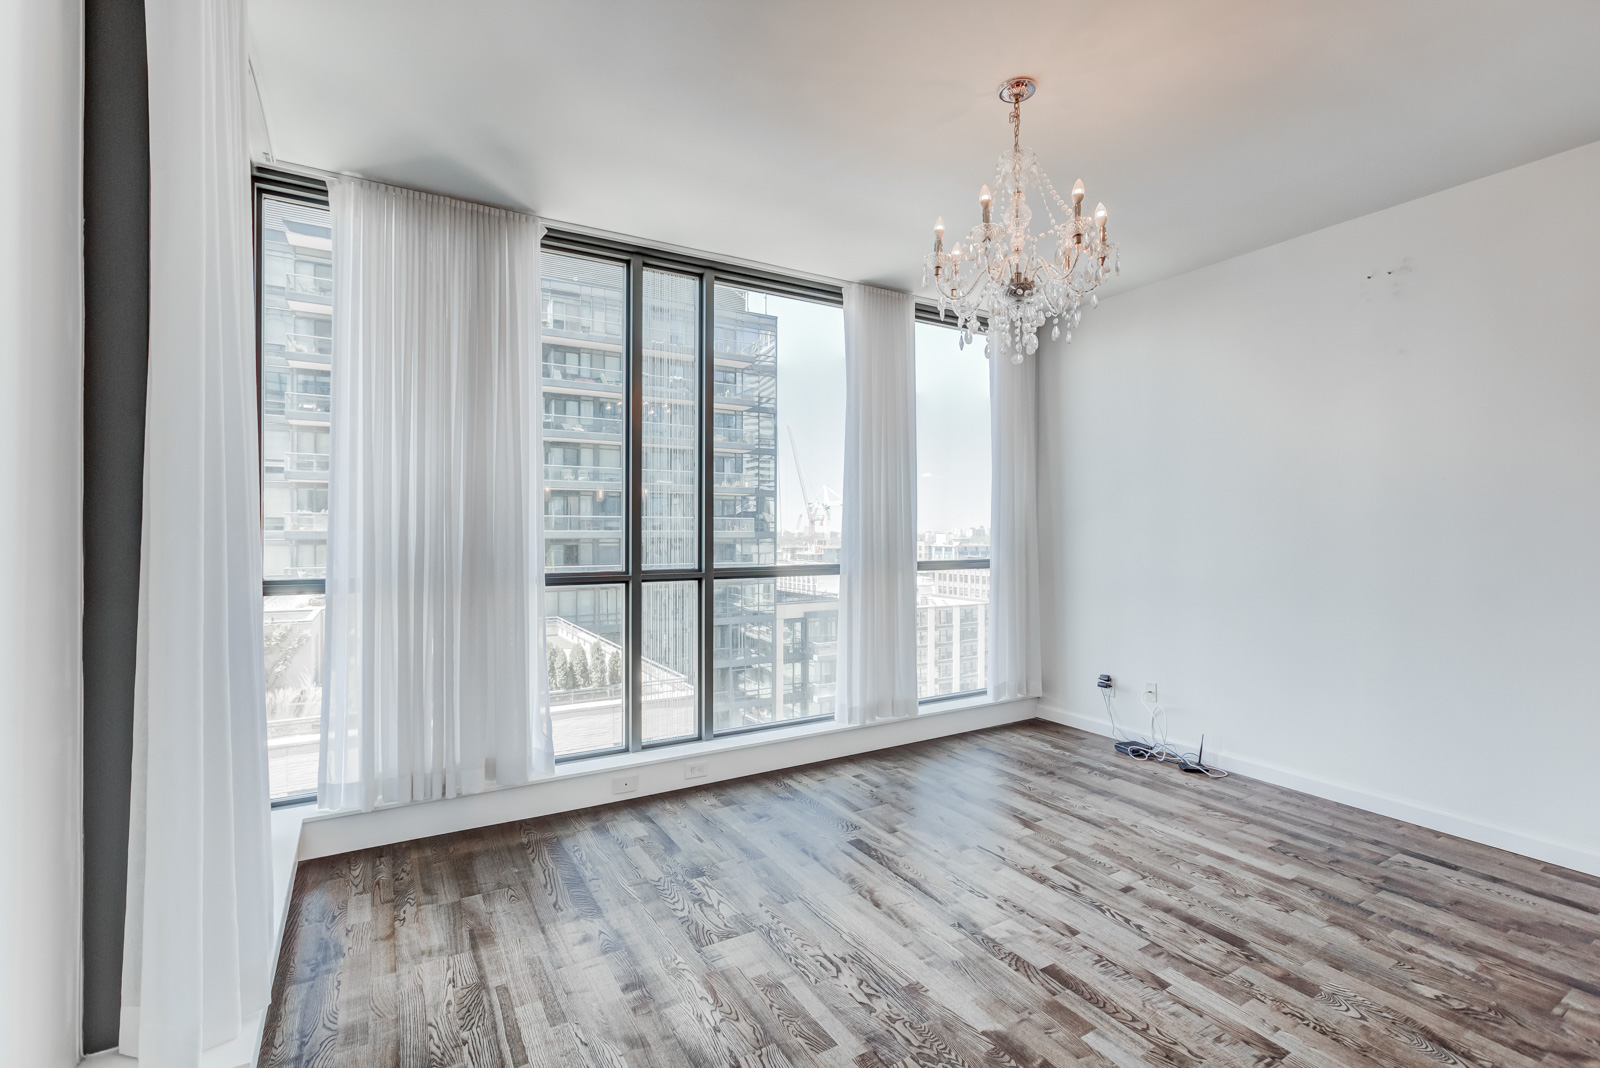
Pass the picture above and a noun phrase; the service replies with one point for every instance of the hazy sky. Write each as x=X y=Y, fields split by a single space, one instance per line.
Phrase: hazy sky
x=952 y=431
x=952 y=417
x=810 y=402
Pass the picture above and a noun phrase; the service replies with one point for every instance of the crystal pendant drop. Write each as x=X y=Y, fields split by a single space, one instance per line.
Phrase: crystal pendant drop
x=1069 y=337
x=1016 y=357
x=1055 y=333
x=1094 y=300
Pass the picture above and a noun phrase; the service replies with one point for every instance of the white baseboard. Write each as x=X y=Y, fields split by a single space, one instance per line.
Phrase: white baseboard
x=589 y=784
x=1510 y=839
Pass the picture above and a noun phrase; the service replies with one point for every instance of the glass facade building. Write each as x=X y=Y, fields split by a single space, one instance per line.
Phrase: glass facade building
x=296 y=292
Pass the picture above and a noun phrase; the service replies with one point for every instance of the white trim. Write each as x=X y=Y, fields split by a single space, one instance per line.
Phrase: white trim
x=1508 y=838
x=585 y=785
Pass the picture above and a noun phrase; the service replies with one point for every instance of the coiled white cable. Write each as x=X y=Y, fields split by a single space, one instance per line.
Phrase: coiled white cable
x=1156 y=747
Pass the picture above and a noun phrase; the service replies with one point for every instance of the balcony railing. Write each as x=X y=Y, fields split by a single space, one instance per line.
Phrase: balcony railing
x=308 y=344
x=668 y=434
x=746 y=352
x=670 y=524
x=310 y=285
x=667 y=479
x=603 y=523
x=305 y=521
x=584 y=324
x=668 y=387
x=586 y=376
x=747 y=394
x=736 y=479
x=574 y=473
x=578 y=424
x=742 y=435
x=306 y=404
x=731 y=524
x=313 y=465
x=735 y=655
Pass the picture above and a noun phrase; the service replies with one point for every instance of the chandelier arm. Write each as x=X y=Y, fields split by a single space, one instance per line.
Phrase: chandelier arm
x=958 y=297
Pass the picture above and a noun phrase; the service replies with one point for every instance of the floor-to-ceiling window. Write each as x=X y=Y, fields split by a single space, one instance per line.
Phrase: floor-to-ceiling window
x=693 y=428
x=295 y=249
x=778 y=454
x=692 y=424
x=953 y=476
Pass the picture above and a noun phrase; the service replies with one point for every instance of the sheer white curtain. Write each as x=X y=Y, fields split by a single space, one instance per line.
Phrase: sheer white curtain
x=1014 y=657
x=878 y=560
x=435 y=644
x=198 y=943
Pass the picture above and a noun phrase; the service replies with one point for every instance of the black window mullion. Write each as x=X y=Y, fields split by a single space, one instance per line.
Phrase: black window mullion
x=635 y=524
x=584 y=578
x=708 y=537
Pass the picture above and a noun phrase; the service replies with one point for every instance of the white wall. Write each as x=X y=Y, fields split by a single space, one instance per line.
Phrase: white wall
x=1340 y=499
x=41 y=431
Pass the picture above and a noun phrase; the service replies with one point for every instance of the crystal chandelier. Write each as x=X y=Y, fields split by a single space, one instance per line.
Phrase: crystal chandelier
x=1001 y=283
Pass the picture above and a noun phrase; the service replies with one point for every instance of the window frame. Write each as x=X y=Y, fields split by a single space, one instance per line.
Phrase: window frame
x=636 y=258
x=281 y=185
x=929 y=315
x=709 y=274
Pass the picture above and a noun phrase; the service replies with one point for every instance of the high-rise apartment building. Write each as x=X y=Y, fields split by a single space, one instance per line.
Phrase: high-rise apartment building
x=296 y=371
x=296 y=367
x=953 y=614
x=773 y=640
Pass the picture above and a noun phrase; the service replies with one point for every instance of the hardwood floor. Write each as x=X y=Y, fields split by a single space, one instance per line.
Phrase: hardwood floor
x=1018 y=896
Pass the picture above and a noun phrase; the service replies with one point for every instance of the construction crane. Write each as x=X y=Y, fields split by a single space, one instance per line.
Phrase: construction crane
x=816 y=511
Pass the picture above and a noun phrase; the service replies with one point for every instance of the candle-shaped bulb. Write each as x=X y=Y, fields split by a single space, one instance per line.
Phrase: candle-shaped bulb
x=955 y=249
x=938 y=226
x=986 y=201
x=1077 y=191
x=1100 y=215
x=938 y=238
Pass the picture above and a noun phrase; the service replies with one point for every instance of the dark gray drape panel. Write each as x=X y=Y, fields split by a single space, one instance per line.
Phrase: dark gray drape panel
x=116 y=294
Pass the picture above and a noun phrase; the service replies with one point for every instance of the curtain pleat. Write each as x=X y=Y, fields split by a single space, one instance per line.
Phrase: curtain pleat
x=435 y=559
x=1014 y=651
x=198 y=941
x=878 y=559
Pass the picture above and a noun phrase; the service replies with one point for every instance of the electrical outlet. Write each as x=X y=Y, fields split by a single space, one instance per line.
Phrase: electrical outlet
x=695 y=771
x=625 y=784
x=1150 y=692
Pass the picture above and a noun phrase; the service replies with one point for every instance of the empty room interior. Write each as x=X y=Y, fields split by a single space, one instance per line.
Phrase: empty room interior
x=800 y=533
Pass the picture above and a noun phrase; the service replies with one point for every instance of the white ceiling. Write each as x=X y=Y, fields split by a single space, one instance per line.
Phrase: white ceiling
x=825 y=136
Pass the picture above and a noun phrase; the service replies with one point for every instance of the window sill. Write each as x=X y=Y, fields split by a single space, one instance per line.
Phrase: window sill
x=671 y=754
x=580 y=777
x=577 y=767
